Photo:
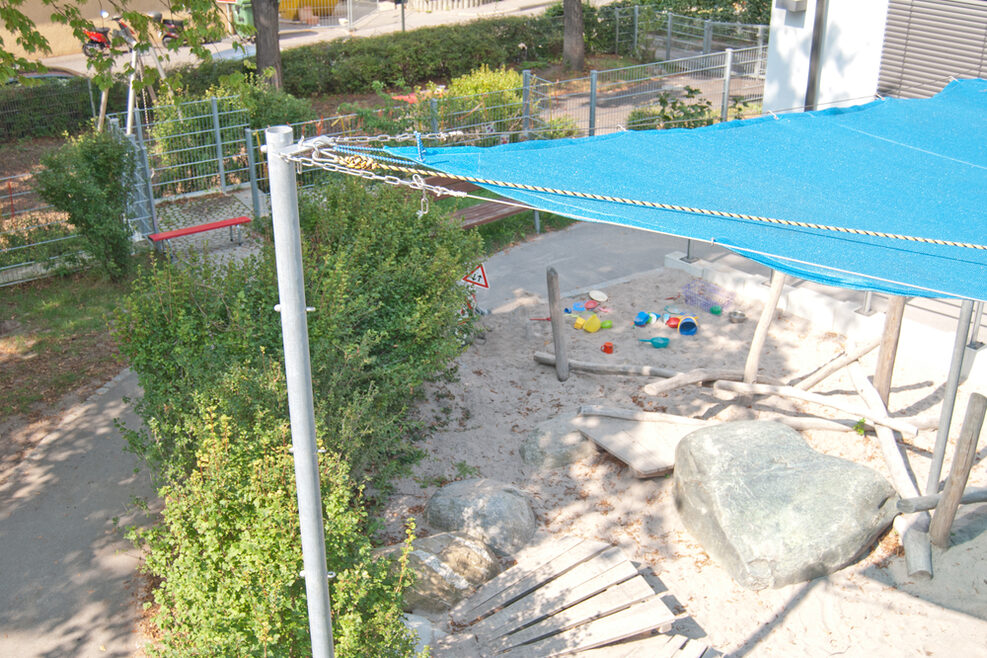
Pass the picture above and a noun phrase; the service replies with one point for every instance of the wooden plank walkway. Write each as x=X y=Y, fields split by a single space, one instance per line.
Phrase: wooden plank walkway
x=480 y=213
x=565 y=596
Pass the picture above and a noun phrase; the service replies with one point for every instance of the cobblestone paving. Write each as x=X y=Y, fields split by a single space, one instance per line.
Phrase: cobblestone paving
x=220 y=244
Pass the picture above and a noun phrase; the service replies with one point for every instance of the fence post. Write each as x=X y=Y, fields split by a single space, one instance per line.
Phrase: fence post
x=668 y=37
x=760 y=37
x=707 y=36
x=146 y=164
x=616 y=30
x=592 y=103
x=252 y=163
x=978 y=312
x=634 y=40
x=434 y=109
x=92 y=101
x=727 y=67
x=525 y=103
x=218 y=136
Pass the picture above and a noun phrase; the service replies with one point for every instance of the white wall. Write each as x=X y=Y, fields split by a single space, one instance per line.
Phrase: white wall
x=850 y=59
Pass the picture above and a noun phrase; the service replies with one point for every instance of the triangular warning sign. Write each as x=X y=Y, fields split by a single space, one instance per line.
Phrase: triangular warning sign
x=477 y=277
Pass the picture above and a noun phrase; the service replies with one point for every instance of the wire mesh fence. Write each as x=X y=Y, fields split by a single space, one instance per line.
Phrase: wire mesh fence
x=646 y=32
x=46 y=106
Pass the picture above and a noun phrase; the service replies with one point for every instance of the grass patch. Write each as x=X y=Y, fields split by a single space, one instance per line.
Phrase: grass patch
x=56 y=340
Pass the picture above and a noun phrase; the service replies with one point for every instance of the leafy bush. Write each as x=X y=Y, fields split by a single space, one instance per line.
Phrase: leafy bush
x=673 y=112
x=206 y=345
x=228 y=548
x=486 y=100
x=91 y=178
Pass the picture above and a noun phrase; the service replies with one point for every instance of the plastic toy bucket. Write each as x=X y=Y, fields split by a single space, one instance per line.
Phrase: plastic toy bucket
x=688 y=326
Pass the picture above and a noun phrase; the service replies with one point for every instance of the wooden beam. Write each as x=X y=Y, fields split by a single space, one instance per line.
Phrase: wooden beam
x=846 y=359
x=761 y=331
x=791 y=392
x=959 y=472
x=697 y=376
x=923 y=503
x=558 y=325
x=607 y=368
x=889 y=346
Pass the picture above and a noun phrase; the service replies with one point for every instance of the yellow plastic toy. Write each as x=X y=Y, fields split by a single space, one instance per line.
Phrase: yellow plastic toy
x=592 y=324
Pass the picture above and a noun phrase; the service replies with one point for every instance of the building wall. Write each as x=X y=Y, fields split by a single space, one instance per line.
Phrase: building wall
x=850 y=59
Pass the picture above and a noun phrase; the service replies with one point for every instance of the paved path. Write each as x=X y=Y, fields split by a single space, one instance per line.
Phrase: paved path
x=66 y=571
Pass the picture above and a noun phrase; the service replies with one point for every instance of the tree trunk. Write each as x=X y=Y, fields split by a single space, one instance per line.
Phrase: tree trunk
x=268 y=49
x=573 y=49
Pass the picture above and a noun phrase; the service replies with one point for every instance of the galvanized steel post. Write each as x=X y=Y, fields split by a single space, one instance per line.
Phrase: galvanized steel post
x=525 y=103
x=727 y=67
x=298 y=370
x=707 y=36
x=218 y=136
x=248 y=136
x=592 y=103
x=668 y=37
x=634 y=40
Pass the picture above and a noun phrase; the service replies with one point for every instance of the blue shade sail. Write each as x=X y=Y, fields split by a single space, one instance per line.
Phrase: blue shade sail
x=889 y=196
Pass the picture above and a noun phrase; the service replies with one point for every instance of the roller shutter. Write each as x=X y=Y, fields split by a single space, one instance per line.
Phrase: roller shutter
x=928 y=42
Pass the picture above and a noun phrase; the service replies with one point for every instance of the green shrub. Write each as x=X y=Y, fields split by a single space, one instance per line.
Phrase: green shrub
x=228 y=548
x=91 y=178
x=673 y=112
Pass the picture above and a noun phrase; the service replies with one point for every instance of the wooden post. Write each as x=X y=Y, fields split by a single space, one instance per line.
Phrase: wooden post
x=959 y=471
x=558 y=325
x=761 y=332
x=103 y=98
x=889 y=347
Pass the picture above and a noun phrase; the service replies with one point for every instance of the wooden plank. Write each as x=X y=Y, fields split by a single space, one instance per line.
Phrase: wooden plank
x=530 y=579
x=585 y=580
x=486 y=212
x=654 y=645
x=959 y=473
x=609 y=601
x=637 y=619
x=692 y=649
x=461 y=645
x=647 y=448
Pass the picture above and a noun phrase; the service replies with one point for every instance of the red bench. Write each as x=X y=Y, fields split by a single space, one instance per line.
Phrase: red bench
x=199 y=228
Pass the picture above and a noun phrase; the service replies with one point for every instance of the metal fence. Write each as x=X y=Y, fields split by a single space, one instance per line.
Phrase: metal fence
x=648 y=33
x=45 y=106
x=326 y=13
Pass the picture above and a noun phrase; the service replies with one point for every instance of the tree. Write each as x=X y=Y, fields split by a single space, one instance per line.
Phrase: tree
x=573 y=48
x=268 y=48
x=204 y=20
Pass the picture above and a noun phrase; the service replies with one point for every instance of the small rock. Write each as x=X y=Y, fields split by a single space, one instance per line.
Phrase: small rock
x=448 y=567
x=491 y=511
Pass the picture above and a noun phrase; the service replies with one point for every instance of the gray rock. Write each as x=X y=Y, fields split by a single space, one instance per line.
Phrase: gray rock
x=556 y=443
x=491 y=511
x=770 y=509
x=448 y=567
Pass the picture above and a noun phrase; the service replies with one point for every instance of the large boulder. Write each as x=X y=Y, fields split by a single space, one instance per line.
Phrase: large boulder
x=490 y=511
x=556 y=443
x=448 y=567
x=770 y=509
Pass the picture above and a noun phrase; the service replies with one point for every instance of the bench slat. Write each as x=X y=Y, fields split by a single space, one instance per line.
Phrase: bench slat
x=199 y=228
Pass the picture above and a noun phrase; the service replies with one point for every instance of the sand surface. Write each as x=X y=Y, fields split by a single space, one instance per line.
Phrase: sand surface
x=871 y=608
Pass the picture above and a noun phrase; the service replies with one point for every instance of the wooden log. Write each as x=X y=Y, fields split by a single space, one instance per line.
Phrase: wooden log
x=607 y=368
x=791 y=392
x=889 y=346
x=635 y=414
x=923 y=503
x=846 y=359
x=911 y=528
x=697 y=376
x=761 y=331
x=959 y=471
x=558 y=325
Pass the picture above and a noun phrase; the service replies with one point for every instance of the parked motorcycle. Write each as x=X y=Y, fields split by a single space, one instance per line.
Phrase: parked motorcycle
x=169 y=29
x=100 y=38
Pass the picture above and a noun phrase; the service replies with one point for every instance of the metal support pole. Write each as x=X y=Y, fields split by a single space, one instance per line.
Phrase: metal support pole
x=949 y=399
x=867 y=308
x=634 y=40
x=727 y=68
x=433 y=106
x=668 y=37
x=349 y=15
x=707 y=36
x=592 y=103
x=218 y=136
x=131 y=94
x=402 y=14
x=248 y=136
x=537 y=222
x=689 y=257
x=978 y=312
x=525 y=103
x=298 y=370
x=92 y=101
